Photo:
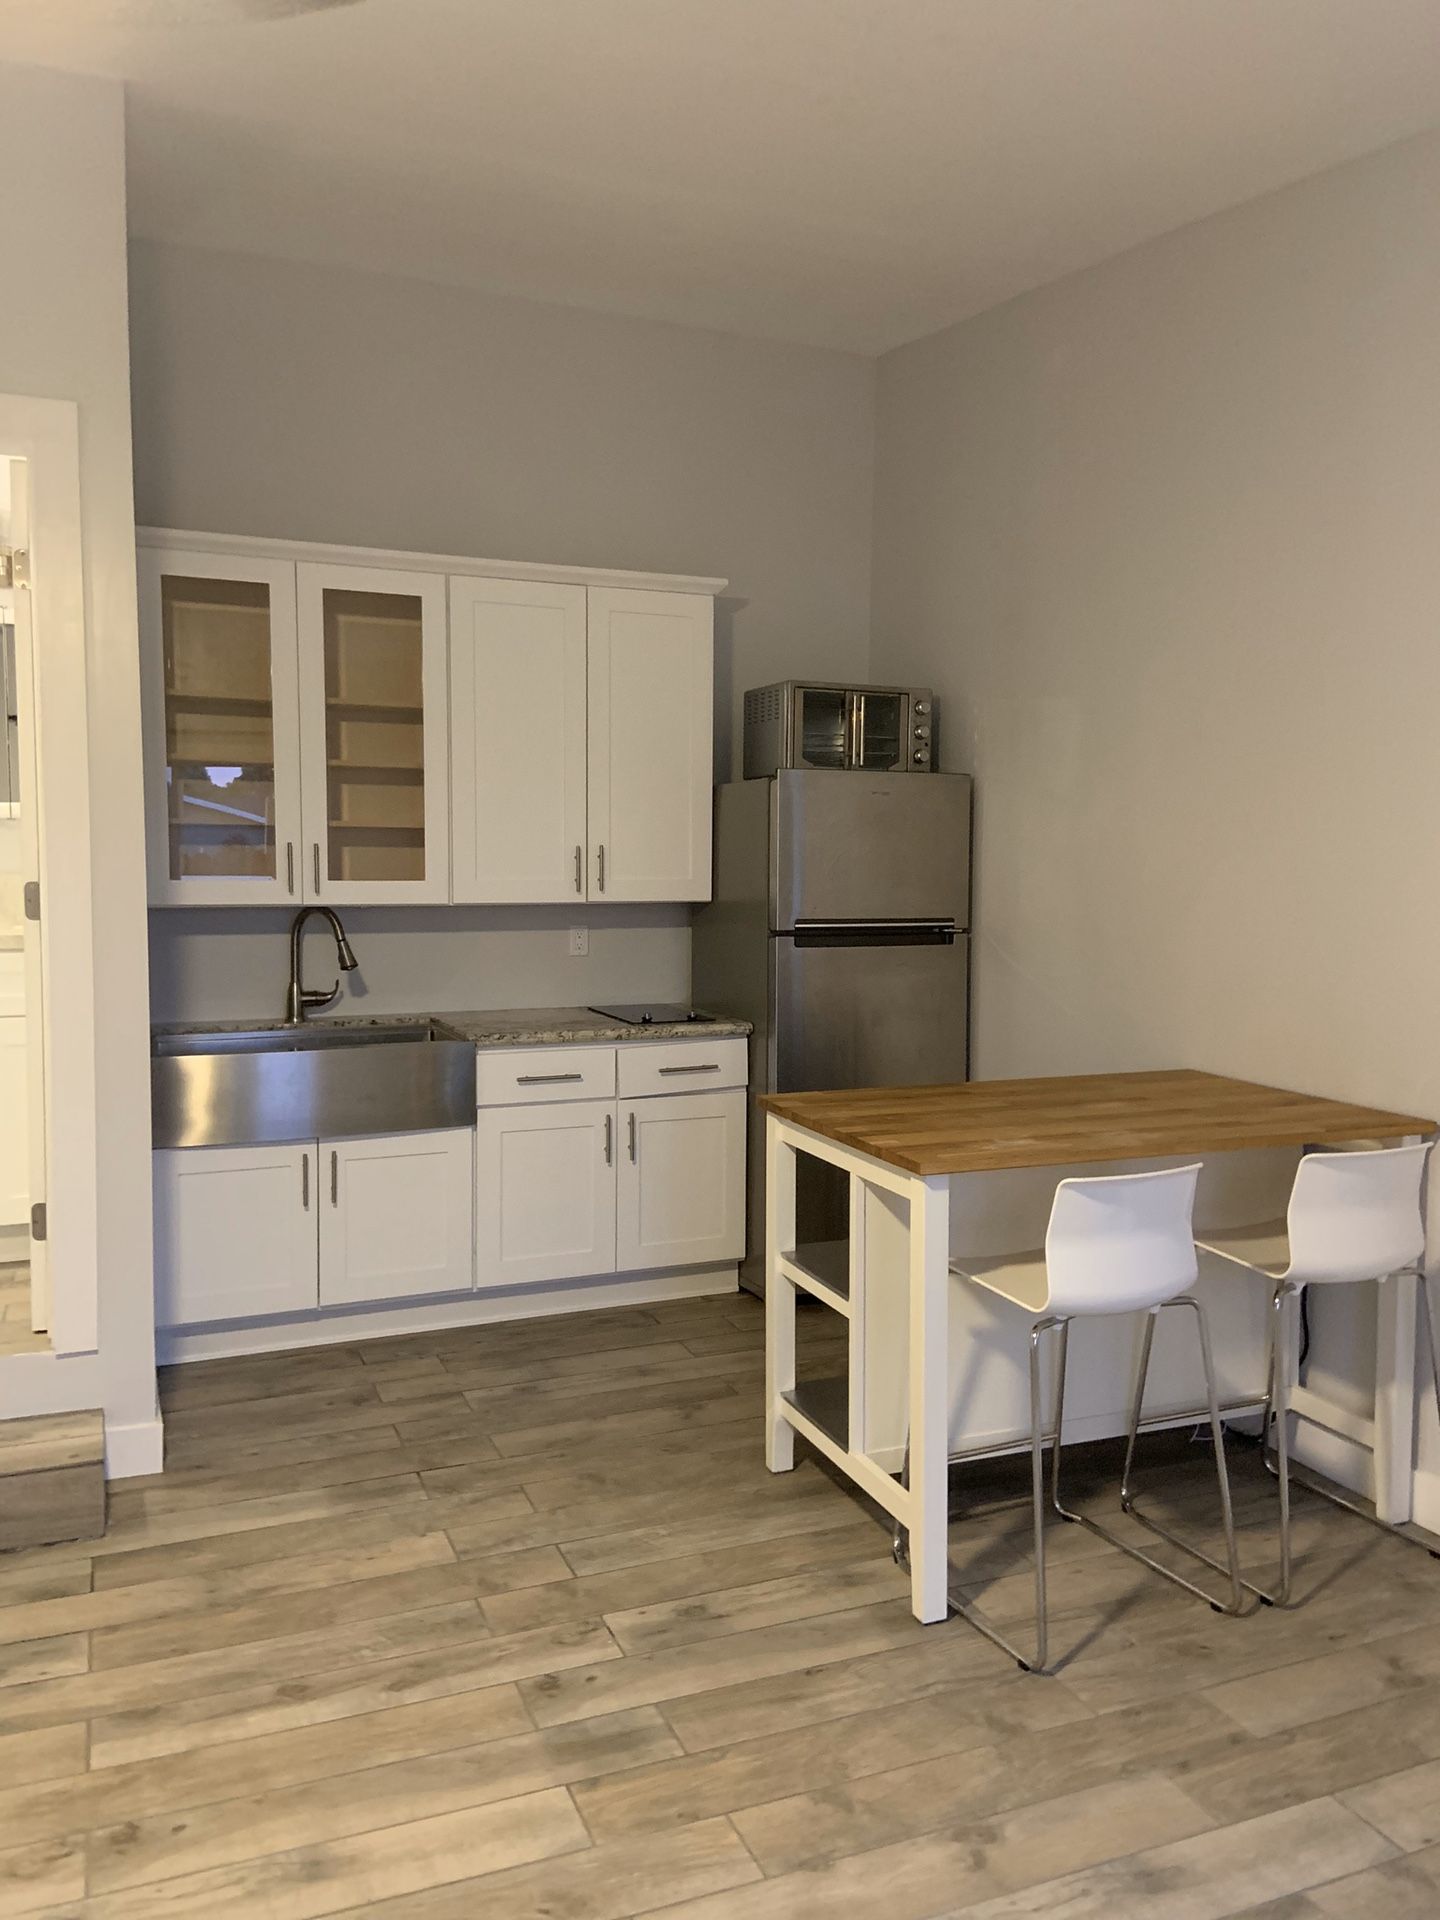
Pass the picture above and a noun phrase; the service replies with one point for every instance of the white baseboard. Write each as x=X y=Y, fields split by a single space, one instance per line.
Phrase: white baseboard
x=135 y=1448
x=327 y=1327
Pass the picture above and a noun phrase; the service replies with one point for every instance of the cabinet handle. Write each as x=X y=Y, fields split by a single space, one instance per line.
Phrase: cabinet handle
x=305 y=1181
x=710 y=1066
x=317 y=866
x=290 y=866
x=600 y=865
x=544 y=1079
x=632 y=1135
x=609 y=1140
x=579 y=869
x=334 y=1179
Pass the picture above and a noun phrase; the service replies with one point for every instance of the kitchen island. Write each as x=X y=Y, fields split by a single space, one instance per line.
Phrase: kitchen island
x=971 y=1168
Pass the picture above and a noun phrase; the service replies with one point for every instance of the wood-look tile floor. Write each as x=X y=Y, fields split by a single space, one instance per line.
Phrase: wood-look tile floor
x=15 y=1332
x=511 y=1624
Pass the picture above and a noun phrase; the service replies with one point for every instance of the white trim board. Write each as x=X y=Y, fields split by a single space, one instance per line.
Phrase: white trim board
x=135 y=1448
x=327 y=1328
x=318 y=551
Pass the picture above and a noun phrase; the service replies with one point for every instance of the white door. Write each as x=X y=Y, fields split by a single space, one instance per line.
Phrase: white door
x=517 y=730
x=375 y=749
x=396 y=1216
x=544 y=1192
x=651 y=670
x=221 y=729
x=235 y=1232
x=682 y=1180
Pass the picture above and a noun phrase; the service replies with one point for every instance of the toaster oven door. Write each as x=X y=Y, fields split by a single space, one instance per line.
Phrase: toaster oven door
x=879 y=732
x=820 y=727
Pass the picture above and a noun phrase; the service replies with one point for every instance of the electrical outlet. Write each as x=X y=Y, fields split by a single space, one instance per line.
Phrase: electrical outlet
x=579 y=940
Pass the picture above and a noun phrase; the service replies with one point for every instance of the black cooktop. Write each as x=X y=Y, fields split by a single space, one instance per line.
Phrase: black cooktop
x=654 y=1013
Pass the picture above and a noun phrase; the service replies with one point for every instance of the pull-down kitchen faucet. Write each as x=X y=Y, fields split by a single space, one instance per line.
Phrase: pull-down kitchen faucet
x=299 y=999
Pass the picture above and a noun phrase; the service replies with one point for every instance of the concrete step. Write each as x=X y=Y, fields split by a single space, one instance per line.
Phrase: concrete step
x=52 y=1479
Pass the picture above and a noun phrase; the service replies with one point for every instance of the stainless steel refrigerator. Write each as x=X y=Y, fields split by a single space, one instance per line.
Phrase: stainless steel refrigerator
x=840 y=927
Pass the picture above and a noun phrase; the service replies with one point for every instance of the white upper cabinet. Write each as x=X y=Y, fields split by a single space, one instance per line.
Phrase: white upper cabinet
x=518 y=734
x=651 y=663
x=321 y=728
x=222 y=723
x=374 y=753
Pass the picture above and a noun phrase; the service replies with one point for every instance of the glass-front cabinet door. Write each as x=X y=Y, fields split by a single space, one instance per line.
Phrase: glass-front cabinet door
x=221 y=727
x=374 y=740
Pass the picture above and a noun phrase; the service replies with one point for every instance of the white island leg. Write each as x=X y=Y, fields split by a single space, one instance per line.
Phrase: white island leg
x=929 y=1396
x=779 y=1297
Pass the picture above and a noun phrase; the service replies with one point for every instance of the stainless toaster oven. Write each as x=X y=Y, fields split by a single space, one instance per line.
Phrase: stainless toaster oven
x=800 y=723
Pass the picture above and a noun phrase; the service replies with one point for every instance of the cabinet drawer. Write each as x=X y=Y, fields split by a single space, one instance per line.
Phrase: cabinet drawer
x=544 y=1073
x=682 y=1066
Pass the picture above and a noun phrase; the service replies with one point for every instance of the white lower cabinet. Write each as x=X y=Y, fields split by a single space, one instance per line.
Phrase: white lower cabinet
x=566 y=1189
x=242 y=1233
x=235 y=1233
x=396 y=1216
x=681 y=1195
x=544 y=1192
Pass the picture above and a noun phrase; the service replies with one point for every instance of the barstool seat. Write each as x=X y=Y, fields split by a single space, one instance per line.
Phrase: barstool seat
x=1116 y=1244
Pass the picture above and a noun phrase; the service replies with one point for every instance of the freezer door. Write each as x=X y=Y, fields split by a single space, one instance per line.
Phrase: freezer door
x=870 y=1009
x=870 y=846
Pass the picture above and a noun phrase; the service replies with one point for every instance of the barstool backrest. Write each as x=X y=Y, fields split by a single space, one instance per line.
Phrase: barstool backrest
x=1356 y=1216
x=1121 y=1242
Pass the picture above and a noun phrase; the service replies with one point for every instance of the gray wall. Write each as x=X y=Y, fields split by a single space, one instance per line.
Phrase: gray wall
x=319 y=404
x=1163 y=536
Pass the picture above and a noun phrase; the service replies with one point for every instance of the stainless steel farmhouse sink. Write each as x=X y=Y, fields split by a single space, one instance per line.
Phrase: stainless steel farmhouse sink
x=259 y=1086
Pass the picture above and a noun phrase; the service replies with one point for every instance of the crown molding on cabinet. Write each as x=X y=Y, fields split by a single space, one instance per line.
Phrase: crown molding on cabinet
x=251 y=547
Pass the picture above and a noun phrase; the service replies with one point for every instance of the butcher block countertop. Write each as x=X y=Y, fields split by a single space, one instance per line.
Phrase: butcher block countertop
x=986 y=1125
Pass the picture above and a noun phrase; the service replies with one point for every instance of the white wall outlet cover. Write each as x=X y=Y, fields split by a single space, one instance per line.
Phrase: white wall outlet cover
x=579 y=940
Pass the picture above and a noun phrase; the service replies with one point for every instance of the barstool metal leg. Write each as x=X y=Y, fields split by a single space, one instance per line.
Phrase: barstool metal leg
x=1277 y=1408
x=1231 y=1564
x=1037 y=1484
x=1038 y=1661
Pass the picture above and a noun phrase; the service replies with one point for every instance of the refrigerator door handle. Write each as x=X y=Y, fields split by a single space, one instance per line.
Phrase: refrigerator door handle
x=937 y=925
x=893 y=933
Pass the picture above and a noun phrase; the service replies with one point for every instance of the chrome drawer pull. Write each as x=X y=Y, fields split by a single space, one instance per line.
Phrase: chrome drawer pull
x=710 y=1066
x=544 y=1079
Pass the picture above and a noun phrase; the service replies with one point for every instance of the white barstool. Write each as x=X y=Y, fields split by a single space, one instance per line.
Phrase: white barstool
x=1352 y=1216
x=1121 y=1243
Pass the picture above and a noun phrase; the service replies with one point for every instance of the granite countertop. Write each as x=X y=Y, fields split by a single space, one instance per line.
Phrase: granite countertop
x=501 y=1027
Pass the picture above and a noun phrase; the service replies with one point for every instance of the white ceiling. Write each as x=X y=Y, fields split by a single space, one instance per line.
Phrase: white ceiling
x=852 y=173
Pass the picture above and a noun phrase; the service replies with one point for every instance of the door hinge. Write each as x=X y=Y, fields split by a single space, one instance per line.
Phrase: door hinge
x=32 y=899
x=39 y=1225
x=20 y=567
